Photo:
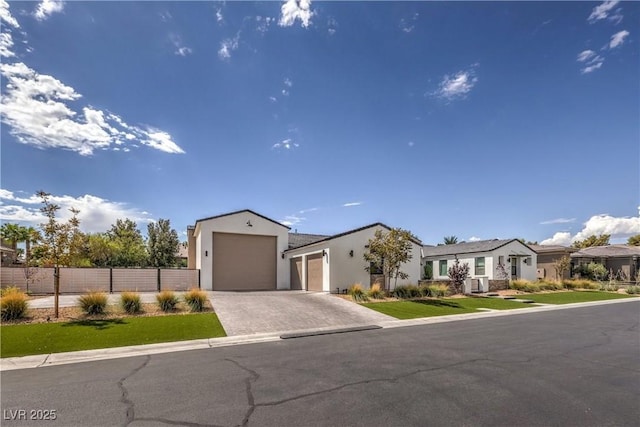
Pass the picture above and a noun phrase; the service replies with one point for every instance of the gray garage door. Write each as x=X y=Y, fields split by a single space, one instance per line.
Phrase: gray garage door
x=314 y=272
x=296 y=273
x=244 y=262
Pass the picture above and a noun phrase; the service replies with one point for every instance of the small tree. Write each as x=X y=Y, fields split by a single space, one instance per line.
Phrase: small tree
x=428 y=271
x=162 y=244
x=634 y=240
x=593 y=240
x=389 y=251
x=57 y=241
x=501 y=272
x=561 y=265
x=458 y=274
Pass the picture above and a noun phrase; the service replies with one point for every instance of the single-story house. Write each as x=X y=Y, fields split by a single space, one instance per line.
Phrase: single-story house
x=548 y=255
x=8 y=255
x=246 y=251
x=623 y=259
x=483 y=257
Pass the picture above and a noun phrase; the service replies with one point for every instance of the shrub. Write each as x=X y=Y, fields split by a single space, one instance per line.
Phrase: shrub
x=610 y=287
x=633 y=290
x=406 y=292
x=167 y=300
x=376 y=291
x=593 y=271
x=437 y=291
x=524 y=286
x=581 y=284
x=196 y=299
x=357 y=293
x=93 y=302
x=13 y=305
x=130 y=302
x=549 y=285
x=9 y=290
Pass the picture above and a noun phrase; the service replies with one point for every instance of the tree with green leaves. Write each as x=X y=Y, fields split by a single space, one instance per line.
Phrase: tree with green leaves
x=101 y=249
x=634 y=240
x=458 y=273
x=57 y=241
x=561 y=266
x=450 y=240
x=390 y=251
x=593 y=240
x=12 y=234
x=162 y=244
x=130 y=250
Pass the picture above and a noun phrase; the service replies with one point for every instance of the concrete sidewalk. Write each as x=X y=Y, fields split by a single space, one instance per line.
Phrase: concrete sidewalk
x=12 y=363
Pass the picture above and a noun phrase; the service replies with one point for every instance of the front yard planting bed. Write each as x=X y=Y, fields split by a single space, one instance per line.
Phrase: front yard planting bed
x=44 y=338
x=573 y=296
x=440 y=307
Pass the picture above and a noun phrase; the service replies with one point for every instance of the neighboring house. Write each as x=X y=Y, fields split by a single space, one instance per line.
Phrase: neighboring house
x=548 y=255
x=619 y=258
x=243 y=250
x=182 y=255
x=333 y=263
x=483 y=257
x=8 y=255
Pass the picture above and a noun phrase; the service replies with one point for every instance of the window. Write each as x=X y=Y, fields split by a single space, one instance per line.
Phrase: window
x=443 y=268
x=479 y=270
x=375 y=268
x=501 y=260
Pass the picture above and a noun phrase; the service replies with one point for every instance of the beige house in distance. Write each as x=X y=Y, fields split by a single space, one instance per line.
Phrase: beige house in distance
x=548 y=255
x=623 y=259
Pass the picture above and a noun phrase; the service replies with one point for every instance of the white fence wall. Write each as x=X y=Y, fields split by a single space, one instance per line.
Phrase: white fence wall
x=39 y=280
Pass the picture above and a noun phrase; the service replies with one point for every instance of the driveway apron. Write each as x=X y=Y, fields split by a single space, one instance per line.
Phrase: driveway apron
x=243 y=313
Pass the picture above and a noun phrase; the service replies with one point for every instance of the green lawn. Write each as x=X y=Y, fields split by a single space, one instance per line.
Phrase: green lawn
x=42 y=338
x=441 y=307
x=573 y=296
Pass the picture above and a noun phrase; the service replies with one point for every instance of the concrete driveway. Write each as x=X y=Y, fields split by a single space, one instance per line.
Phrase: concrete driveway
x=243 y=313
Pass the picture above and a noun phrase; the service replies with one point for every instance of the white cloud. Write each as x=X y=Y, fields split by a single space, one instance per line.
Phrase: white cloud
x=284 y=92
x=36 y=108
x=263 y=23
x=332 y=25
x=406 y=25
x=96 y=214
x=273 y=99
x=181 y=49
x=602 y=10
x=558 y=221
x=227 y=46
x=607 y=224
x=286 y=144
x=6 y=43
x=291 y=220
x=591 y=60
x=347 y=205
x=295 y=9
x=585 y=55
x=219 y=17
x=288 y=82
x=458 y=85
x=6 y=16
x=618 y=39
x=617 y=227
x=47 y=8
x=562 y=238
x=474 y=239
x=303 y=211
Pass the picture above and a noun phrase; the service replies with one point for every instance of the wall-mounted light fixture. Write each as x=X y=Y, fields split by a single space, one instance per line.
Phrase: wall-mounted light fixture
x=282 y=255
x=206 y=253
x=249 y=224
x=324 y=253
x=351 y=253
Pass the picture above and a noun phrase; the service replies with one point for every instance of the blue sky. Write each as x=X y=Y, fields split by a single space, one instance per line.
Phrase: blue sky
x=480 y=120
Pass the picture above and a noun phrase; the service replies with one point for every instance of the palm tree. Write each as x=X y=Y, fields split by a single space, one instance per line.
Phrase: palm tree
x=31 y=235
x=450 y=240
x=12 y=234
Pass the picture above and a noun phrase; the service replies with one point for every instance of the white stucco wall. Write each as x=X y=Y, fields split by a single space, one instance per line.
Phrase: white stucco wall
x=342 y=270
x=521 y=252
x=237 y=223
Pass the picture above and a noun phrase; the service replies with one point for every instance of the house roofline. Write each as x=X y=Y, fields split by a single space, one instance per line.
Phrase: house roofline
x=240 y=211
x=335 y=236
x=471 y=252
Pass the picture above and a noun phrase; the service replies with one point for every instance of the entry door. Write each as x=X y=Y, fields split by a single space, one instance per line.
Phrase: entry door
x=514 y=268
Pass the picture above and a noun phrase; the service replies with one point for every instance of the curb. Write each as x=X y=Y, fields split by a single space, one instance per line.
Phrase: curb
x=53 y=359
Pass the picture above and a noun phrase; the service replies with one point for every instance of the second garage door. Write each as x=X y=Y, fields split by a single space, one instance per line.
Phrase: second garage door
x=314 y=272
x=244 y=262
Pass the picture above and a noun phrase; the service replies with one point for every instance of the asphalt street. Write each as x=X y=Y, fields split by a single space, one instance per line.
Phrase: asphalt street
x=573 y=367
